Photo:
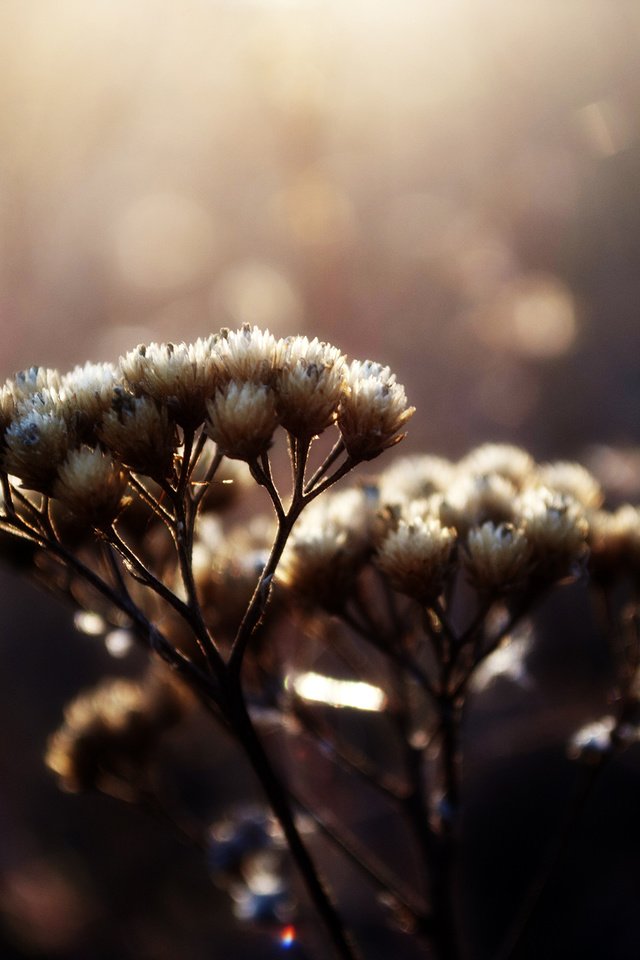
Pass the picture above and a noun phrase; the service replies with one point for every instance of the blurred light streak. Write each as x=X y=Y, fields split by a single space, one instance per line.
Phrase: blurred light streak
x=337 y=693
x=605 y=125
x=86 y=621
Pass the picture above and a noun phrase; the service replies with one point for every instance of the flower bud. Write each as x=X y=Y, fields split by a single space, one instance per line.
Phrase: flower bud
x=140 y=435
x=373 y=410
x=92 y=486
x=416 y=558
x=497 y=556
x=242 y=419
x=309 y=383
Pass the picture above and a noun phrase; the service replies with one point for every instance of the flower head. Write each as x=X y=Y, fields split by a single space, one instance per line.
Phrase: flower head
x=140 y=435
x=497 y=555
x=309 y=383
x=373 y=410
x=86 y=394
x=502 y=459
x=242 y=419
x=91 y=485
x=555 y=526
x=327 y=550
x=179 y=376
x=416 y=557
x=36 y=444
x=244 y=355
x=573 y=480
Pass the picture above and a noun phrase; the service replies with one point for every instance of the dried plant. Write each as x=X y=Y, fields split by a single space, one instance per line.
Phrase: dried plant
x=394 y=598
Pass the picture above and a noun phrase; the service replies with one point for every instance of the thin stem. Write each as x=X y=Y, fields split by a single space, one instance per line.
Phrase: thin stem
x=342 y=470
x=361 y=857
x=387 y=646
x=346 y=757
x=191 y=616
x=255 y=610
x=261 y=473
x=277 y=796
x=324 y=466
x=203 y=484
x=151 y=501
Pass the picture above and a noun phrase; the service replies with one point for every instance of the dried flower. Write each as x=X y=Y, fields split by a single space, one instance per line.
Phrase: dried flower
x=309 y=383
x=327 y=550
x=242 y=419
x=614 y=540
x=140 y=435
x=497 y=556
x=7 y=409
x=414 y=477
x=501 y=459
x=475 y=499
x=92 y=485
x=372 y=411
x=36 y=445
x=181 y=376
x=555 y=526
x=416 y=558
x=247 y=354
x=109 y=732
x=86 y=394
x=572 y=479
x=27 y=382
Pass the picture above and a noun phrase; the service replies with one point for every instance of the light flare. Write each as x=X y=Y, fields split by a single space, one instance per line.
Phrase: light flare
x=337 y=693
x=288 y=936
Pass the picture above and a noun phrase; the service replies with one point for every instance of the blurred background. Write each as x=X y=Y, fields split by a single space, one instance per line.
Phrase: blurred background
x=449 y=188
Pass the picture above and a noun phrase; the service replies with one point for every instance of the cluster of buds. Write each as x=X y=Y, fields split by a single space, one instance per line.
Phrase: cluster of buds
x=76 y=437
x=496 y=516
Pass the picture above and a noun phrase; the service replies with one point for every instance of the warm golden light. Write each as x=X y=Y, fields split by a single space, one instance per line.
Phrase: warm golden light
x=338 y=693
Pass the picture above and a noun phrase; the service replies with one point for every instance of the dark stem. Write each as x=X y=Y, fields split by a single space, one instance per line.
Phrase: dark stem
x=277 y=797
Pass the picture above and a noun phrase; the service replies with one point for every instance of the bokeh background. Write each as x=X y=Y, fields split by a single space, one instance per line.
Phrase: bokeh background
x=451 y=188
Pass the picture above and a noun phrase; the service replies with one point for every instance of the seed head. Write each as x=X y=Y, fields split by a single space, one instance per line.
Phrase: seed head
x=614 y=540
x=109 y=732
x=27 y=382
x=497 y=556
x=414 y=477
x=555 y=526
x=140 y=435
x=572 y=479
x=92 y=486
x=416 y=558
x=242 y=419
x=309 y=383
x=244 y=355
x=36 y=444
x=179 y=376
x=372 y=411
x=86 y=394
x=327 y=550
x=508 y=461
x=473 y=500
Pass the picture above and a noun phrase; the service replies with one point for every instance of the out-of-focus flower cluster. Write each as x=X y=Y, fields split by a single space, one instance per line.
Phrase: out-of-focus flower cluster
x=496 y=515
x=110 y=733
